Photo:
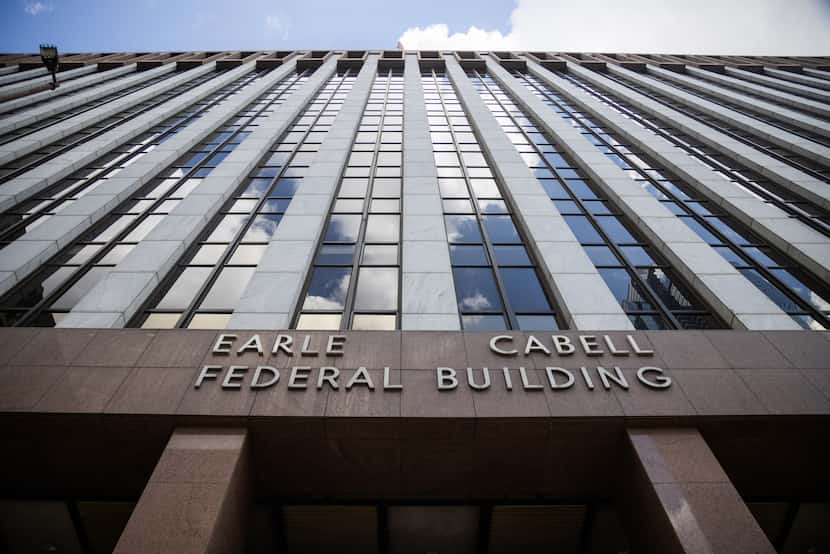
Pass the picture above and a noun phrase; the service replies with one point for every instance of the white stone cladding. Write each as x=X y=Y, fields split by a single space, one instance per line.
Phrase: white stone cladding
x=43 y=137
x=23 y=75
x=580 y=291
x=752 y=125
x=729 y=293
x=114 y=300
x=428 y=294
x=779 y=82
x=58 y=103
x=779 y=172
x=10 y=91
x=778 y=100
x=9 y=69
x=273 y=293
x=26 y=253
x=806 y=245
x=806 y=78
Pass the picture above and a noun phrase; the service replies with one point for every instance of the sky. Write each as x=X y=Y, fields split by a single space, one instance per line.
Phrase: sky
x=747 y=27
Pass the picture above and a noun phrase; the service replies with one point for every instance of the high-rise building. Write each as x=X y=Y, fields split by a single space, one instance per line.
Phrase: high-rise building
x=414 y=301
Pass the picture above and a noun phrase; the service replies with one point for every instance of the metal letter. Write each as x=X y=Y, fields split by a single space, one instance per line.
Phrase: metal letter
x=223 y=344
x=207 y=373
x=613 y=349
x=298 y=380
x=563 y=345
x=361 y=377
x=253 y=343
x=335 y=345
x=275 y=377
x=508 y=381
x=637 y=350
x=569 y=378
x=387 y=382
x=471 y=380
x=525 y=383
x=305 y=351
x=590 y=345
x=233 y=374
x=283 y=342
x=329 y=375
x=495 y=340
x=534 y=344
x=661 y=381
x=587 y=378
x=617 y=377
x=446 y=378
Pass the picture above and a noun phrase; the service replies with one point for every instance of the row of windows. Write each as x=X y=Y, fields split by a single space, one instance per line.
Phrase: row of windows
x=496 y=280
x=54 y=290
x=648 y=291
x=779 y=278
x=36 y=210
x=755 y=140
x=210 y=278
x=32 y=160
x=104 y=77
x=355 y=280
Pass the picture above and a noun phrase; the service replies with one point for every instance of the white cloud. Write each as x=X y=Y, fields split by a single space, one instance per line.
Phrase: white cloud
x=276 y=25
x=739 y=27
x=35 y=8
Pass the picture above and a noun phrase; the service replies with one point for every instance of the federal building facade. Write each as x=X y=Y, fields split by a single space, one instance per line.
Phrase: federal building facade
x=414 y=301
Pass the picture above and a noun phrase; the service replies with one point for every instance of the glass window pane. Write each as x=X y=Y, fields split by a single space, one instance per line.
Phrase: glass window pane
x=797 y=286
x=319 y=321
x=468 y=255
x=209 y=321
x=386 y=188
x=475 y=290
x=380 y=254
x=328 y=288
x=82 y=286
x=453 y=188
x=648 y=322
x=228 y=288
x=601 y=255
x=353 y=188
x=208 y=254
x=373 y=322
x=377 y=289
x=492 y=206
x=161 y=321
x=462 y=228
x=637 y=255
x=248 y=254
x=500 y=229
x=537 y=323
x=582 y=228
x=336 y=254
x=382 y=228
x=348 y=205
x=483 y=323
x=184 y=288
x=624 y=290
x=388 y=205
x=227 y=228
x=262 y=228
x=485 y=188
x=523 y=290
x=343 y=228
x=458 y=207
x=664 y=287
x=614 y=229
x=511 y=255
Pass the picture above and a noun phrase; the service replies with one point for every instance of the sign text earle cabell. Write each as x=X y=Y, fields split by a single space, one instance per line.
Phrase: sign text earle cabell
x=555 y=377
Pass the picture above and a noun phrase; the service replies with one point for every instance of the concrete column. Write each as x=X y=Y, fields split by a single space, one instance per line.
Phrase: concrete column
x=114 y=300
x=726 y=290
x=429 y=301
x=17 y=89
x=580 y=290
x=272 y=294
x=801 y=78
x=754 y=126
x=803 y=243
x=50 y=172
x=778 y=171
x=777 y=98
x=29 y=251
x=59 y=104
x=676 y=498
x=819 y=73
x=31 y=142
x=782 y=82
x=198 y=497
x=23 y=75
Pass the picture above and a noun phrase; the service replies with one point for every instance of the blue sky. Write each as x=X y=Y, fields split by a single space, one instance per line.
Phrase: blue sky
x=743 y=27
x=84 y=25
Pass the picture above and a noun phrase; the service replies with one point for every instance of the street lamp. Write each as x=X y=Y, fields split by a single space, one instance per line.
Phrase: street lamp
x=49 y=55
